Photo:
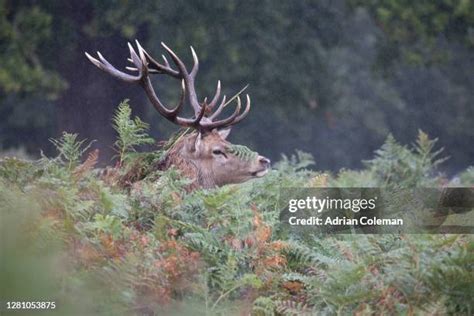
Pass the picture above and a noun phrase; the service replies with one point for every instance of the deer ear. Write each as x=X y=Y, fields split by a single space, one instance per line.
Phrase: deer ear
x=223 y=133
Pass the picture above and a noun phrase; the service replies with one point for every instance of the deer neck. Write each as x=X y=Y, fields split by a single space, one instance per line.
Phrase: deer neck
x=206 y=179
x=181 y=158
x=203 y=175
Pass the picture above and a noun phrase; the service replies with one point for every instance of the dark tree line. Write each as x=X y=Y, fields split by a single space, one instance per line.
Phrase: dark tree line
x=333 y=78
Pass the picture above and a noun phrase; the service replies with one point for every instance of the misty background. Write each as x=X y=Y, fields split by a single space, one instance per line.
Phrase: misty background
x=333 y=78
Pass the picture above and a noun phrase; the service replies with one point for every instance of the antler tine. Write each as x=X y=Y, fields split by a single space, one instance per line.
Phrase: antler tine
x=219 y=109
x=188 y=79
x=196 y=63
x=104 y=65
x=216 y=96
x=244 y=113
x=93 y=60
x=224 y=104
x=178 y=107
x=197 y=121
x=158 y=68
x=225 y=122
x=138 y=61
x=150 y=70
x=167 y=64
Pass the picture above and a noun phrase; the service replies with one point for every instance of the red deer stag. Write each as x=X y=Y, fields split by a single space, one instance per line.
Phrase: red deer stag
x=204 y=155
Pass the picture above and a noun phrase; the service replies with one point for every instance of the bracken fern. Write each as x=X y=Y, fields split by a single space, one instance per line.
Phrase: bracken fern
x=131 y=132
x=155 y=247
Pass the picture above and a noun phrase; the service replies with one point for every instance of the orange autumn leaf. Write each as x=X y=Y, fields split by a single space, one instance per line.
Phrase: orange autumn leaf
x=263 y=234
x=257 y=218
x=293 y=286
x=87 y=254
x=88 y=165
x=278 y=245
x=110 y=247
x=54 y=214
x=274 y=261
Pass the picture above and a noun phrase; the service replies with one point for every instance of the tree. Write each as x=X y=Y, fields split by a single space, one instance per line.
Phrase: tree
x=416 y=30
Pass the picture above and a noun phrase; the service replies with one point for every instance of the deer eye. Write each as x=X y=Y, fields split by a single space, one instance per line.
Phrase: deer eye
x=218 y=152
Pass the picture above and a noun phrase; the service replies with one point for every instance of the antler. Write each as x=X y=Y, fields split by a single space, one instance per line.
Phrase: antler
x=146 y=65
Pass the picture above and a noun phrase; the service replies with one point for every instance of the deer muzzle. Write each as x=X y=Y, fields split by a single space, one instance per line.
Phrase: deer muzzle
x=264 y=166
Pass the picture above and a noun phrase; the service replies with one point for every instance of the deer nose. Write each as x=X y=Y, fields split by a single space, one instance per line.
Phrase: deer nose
x=264 y=161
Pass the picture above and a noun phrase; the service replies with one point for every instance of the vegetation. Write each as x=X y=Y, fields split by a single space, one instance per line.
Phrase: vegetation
x=414 y=29
x=71 y=233
x=131 y=133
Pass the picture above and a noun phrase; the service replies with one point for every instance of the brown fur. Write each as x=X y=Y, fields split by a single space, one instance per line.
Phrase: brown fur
x=194 y=155
x=175 y=159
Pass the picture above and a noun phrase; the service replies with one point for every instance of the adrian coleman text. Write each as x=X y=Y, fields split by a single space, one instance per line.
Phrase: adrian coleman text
x=344 y=221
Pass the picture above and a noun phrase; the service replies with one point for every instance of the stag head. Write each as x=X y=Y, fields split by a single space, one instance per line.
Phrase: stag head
x=204 y=155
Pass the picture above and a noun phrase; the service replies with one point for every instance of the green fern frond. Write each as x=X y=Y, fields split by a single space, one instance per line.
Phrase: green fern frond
x=131 y=132
x=70 y=149
x=289 y=307
x=424 y=147
x=243 y=152
x=264 y=306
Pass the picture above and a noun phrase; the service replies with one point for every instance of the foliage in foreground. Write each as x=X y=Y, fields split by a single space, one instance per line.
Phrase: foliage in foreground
x=72 y=234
